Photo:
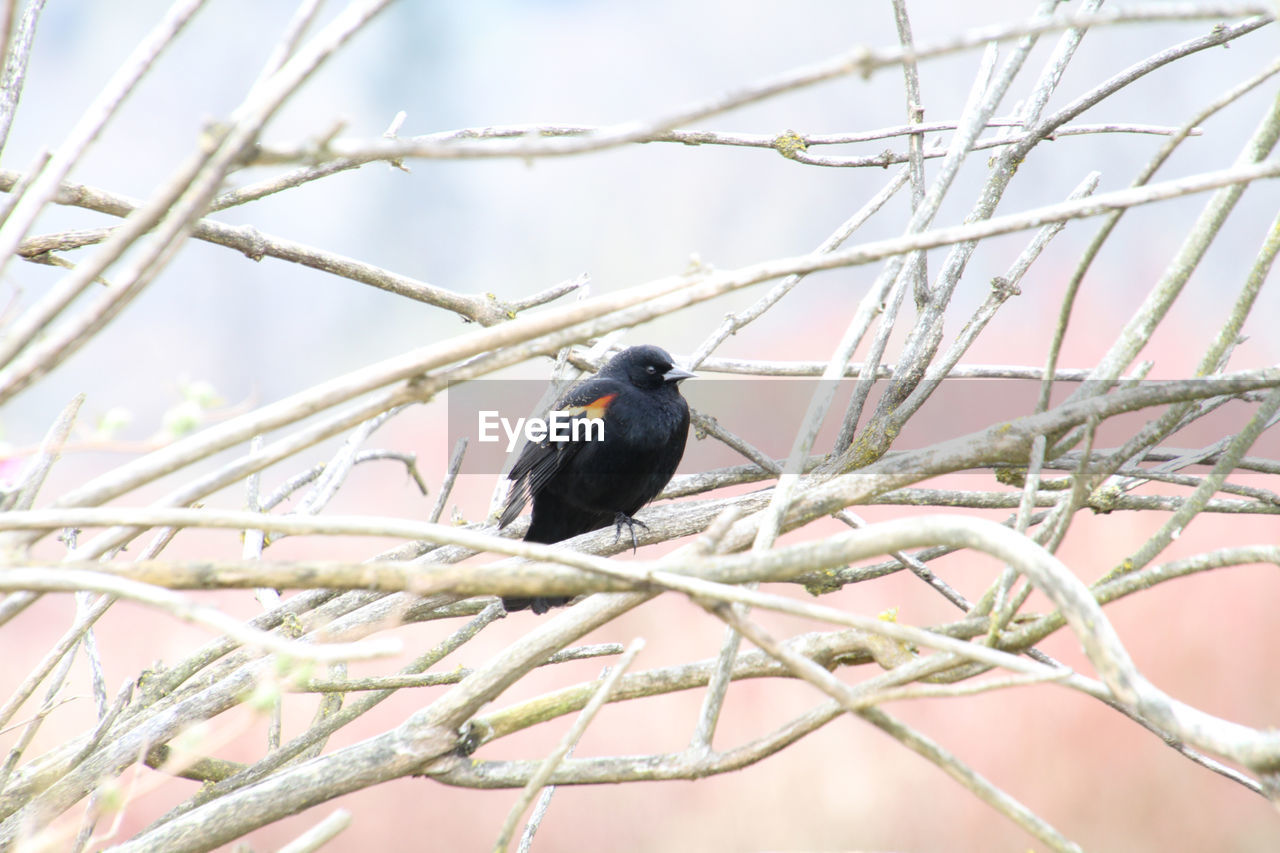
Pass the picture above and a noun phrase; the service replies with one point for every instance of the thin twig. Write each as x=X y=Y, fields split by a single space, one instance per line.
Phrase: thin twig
x=858 y=60
x=450 y=477
x=571 y=737
x=17 y=52
x=320 y=834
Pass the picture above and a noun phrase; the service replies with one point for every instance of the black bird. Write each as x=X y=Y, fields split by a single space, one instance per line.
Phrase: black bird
x=584 y=485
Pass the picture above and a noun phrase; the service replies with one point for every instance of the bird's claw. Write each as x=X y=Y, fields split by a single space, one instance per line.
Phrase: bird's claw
x=621 y=519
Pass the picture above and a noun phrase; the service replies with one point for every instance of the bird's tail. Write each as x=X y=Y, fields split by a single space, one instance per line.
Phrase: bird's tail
x=555 y=520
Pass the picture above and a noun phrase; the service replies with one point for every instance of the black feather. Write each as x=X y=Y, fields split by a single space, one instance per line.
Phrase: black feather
x=580 y=486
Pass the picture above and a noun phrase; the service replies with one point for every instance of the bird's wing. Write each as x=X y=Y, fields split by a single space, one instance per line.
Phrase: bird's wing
x=539 y=461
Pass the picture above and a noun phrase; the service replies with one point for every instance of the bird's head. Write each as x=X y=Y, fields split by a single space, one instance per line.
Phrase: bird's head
x=645 y=367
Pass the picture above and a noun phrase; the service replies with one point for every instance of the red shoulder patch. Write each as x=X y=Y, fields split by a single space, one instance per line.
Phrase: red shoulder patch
x=595 y=409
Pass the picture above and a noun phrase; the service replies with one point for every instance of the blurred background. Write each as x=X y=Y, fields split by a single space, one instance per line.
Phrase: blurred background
x=228 y=332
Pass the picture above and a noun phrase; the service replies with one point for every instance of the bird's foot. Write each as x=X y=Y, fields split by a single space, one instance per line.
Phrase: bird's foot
x=621 y=519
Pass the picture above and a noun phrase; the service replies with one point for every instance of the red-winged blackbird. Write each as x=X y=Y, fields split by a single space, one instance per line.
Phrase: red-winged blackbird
x=584 y=485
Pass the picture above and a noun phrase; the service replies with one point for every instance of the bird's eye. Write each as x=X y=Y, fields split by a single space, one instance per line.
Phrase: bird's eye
x=651 y=369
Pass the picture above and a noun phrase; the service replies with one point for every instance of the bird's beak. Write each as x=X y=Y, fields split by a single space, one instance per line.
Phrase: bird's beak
x=677 y=374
